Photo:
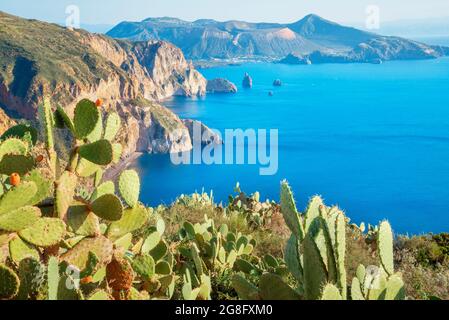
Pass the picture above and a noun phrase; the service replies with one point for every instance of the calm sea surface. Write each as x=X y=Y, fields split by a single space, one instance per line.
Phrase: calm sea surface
x=373 y=139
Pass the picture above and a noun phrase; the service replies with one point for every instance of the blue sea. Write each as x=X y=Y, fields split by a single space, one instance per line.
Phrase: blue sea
x=372 y=139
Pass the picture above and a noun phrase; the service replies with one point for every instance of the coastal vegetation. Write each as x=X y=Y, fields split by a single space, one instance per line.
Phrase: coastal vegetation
x=69 y=233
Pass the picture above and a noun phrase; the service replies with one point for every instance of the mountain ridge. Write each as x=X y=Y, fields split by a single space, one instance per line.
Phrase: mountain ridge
x=211 y=39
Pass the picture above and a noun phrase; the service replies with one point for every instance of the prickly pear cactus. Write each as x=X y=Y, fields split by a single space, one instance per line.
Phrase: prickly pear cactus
x=385 y=245
x=46 y=232
x=9 y=283
x=129 y=187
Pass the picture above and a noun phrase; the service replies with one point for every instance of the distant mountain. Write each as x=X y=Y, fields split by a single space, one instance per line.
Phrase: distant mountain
x=435 y=27
x=310 y=36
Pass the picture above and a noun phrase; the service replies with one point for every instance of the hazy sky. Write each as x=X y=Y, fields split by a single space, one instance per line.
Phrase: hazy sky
x=113 y=11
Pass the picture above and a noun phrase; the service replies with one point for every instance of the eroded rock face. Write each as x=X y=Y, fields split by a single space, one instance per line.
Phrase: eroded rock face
x=151 y=128
x=247 y=81
x=221 y=85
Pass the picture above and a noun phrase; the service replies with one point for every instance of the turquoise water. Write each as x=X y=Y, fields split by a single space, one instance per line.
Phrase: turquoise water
x=373 y=139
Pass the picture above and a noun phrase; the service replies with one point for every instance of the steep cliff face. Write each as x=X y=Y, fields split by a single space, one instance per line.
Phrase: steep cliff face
x=39 y=59
x=150 y=127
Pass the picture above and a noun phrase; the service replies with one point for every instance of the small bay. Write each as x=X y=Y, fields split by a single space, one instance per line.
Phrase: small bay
x=373 y=139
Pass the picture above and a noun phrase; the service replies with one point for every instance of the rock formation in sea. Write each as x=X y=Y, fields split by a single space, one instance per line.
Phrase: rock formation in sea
x=207 y=135
x=221 y=85
x=247 y=81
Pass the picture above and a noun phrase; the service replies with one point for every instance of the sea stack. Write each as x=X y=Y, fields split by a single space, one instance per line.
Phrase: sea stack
x=277 y=83
x=247 y=81
x=221 y=85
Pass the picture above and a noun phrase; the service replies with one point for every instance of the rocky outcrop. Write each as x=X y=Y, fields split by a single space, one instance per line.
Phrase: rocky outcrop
x=247 y=81
x=221 y=85
x=39 y=59
x=151 y=128
x=295 y=59
x=199 y=132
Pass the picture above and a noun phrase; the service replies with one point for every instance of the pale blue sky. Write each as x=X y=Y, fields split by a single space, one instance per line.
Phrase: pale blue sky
x=113 y=11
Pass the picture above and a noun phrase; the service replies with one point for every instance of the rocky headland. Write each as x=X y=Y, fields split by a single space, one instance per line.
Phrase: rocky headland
x=40 y=59
x=221 y=85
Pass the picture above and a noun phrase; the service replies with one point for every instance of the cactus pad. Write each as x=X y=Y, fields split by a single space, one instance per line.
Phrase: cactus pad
x=65 y=192
x=144 y=266
x=9 y=283
x=32 y=276
x=86 y=168
x=20 y=131
x=385 y=245
x=99 y=295
x=151 y=242
x=53 y=278
x=82 y=222
x=272 y=287
x=293 y=259
x=104 y=188
x=112 y=126
x=159 y=251
x=18 y=197
x=15 y=163
x=78 y=256
x=99 y=152
x=245 y=289
x=132 y=220
x=97 y=133
x=289 y=211
x=86 y=118
x=44 y=186
x=356 y=290
x=13 y=146
x=19 y=219
x=163 y=268
x=64 y=118
x=331 y=293
x=129 y=187
x=19 y=250
x=46 y=232
x=395 y=288
x=108 y=207
x=117 y=150
x=312 y=213
x=315 y=273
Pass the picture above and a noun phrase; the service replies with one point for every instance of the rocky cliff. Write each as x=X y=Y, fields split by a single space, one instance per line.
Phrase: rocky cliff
x=39 y=59
x=221 y=85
